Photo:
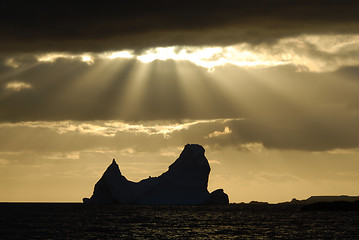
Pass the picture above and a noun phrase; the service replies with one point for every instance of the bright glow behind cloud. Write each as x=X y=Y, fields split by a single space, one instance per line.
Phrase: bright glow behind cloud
x=314 y=53
x=210 y=57
x=51 y=57
x=118 y=54
x=17 y=86
x=110 y=128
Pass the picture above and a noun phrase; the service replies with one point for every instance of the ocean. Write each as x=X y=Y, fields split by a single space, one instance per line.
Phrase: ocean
x=234 y=221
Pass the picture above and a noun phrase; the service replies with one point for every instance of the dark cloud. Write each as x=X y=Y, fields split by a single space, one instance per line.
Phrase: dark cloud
x=78 y=27
x=309 y=135
x=245 y=135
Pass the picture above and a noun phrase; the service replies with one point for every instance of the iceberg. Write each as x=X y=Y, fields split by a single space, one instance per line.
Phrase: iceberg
x=185 y=183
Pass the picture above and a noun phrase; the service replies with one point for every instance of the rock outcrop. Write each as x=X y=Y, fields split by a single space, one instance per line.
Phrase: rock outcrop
x=185 y=182
x=217 y=197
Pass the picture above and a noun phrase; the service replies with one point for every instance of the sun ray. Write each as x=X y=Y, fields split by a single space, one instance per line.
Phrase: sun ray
x=112 y=98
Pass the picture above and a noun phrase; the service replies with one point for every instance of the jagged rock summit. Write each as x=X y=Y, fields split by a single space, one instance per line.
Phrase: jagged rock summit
x=185 y=182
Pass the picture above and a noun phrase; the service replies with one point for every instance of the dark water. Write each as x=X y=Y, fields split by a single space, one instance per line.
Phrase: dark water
x=78 y=221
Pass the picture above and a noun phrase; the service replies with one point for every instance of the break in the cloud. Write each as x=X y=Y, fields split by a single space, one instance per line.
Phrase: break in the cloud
x=110 y=128
x=17 y=86
x=226 y=131
x=314 y=53
x=94 y=27
x=109 y=135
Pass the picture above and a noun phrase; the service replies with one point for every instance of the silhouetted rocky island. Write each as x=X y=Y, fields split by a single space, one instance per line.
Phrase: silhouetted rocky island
x=332 y=206
x=185 y=183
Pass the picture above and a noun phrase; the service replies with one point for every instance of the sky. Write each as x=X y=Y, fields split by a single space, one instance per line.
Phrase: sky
x=269 y=88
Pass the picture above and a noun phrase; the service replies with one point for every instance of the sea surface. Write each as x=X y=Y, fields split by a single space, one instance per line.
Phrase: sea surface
x=234 y=221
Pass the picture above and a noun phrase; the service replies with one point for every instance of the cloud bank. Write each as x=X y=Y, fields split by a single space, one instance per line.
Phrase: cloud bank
x=93 y=27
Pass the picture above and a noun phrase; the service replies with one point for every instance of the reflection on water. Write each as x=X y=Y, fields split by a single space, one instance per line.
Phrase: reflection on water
x=78 y=221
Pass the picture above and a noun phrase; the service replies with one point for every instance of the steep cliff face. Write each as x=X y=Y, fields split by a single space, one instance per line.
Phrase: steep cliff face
x=217 y=197
x=113 y=187
x=185 y=182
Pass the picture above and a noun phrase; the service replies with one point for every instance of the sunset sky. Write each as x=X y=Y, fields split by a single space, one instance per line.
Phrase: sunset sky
x=269 y=88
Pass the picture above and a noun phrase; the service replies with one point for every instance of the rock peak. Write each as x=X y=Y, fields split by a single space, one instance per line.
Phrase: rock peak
x=193 y=147
x=113 y=167
x=194 y=150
